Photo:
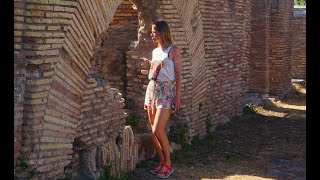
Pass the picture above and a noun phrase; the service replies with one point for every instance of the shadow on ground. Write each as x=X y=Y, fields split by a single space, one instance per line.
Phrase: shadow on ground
x=252 y=146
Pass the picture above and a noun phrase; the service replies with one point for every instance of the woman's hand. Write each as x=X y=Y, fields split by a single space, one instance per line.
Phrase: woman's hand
x=177 y=104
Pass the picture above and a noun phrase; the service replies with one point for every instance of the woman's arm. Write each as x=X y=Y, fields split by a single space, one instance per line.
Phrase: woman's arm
x=177 y=60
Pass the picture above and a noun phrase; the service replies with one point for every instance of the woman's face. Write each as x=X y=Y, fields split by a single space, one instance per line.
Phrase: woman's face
x=155 y=35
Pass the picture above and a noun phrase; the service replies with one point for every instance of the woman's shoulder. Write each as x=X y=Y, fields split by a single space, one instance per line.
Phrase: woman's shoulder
x=154 y=50
x=174 y=49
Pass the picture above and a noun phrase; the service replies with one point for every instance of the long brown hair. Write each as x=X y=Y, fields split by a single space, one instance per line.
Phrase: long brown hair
x=163 y=28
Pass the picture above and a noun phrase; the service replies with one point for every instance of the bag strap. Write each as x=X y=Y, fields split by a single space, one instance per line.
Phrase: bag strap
x=169 y=51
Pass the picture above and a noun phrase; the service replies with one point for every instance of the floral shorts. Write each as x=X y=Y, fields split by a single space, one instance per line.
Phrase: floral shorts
x=160 y=94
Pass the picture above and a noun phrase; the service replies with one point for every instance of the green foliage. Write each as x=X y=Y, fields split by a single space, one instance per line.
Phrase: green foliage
x=23 y=164
x=300 y=2
x=267 y=104
x=133 y=120
x=107 y=173
x=250 y=109
x=108 y=176
x=142 y=164
x=129 y=104
x=125 y=176
x=33 y=172
x=178 y=134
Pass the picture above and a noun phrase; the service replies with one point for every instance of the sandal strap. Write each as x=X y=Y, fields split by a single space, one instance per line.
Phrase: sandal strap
x=159 y=165
x=167 y=166
x=167 y=171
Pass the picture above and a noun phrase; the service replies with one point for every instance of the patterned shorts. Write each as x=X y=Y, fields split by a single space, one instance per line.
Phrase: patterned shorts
x=161 y=94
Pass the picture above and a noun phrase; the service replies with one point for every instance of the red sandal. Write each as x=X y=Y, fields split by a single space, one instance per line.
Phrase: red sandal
x=157 y=169
x=163 y=174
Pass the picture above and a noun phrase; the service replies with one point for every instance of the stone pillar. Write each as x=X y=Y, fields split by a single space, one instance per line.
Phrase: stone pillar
x=281 y=13
x=259 y=64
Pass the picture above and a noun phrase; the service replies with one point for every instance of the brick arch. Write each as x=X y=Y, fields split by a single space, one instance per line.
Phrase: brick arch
x=192 y=21
x=66 y=107
x=58 y=42
x=149 y=12
x=111 y=55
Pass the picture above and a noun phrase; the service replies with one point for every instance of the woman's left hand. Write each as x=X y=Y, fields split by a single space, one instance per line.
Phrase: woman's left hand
x=177 y=104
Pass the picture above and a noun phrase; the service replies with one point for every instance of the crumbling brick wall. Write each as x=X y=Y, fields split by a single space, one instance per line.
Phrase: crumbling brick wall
x=259 y=59
x=19 y=77
x=299 y=44
x=69 y=116
x=226 y=41
x=112 y=53
x=271 y=42
x=67 y=110
x=280 y=43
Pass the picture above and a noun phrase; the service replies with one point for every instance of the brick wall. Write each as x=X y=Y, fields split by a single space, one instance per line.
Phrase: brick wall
x=137 y=70
x=19 y=77
x=71 y=77
x=67 y=109
x=112 y=54
x=270 y=53
x=299 y=44
x=259 y=64
x=280 y=44
x=192 y=21
x=226 y=39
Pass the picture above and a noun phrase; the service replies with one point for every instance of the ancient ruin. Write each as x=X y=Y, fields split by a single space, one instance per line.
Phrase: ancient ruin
x=78 y=74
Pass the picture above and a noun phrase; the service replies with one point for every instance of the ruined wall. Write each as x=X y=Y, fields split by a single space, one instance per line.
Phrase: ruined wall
x=63 y=108
x=280 y=44
x=191 y=16
x=76 y=60
x=19 y=77
x=299 y=44
x=259 y=59
x=112 y=54
x=226 y=41
x=214 y=44
x=270 y=53
x=137 y=70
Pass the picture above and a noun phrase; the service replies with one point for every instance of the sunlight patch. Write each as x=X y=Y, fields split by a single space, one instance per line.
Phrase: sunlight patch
x=299 y=88
x=270 y=113
x=288 y=106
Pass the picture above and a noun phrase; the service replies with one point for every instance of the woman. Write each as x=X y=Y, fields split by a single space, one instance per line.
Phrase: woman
x=163 y=93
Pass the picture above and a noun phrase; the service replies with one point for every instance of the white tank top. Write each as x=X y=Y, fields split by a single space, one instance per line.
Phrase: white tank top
x=161 y=58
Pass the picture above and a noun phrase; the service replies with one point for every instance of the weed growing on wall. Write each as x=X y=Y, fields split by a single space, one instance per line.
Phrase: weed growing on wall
x=178 y=134
x=23 y=164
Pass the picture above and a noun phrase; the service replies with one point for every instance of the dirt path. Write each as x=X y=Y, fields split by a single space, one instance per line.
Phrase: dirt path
x=266 y=142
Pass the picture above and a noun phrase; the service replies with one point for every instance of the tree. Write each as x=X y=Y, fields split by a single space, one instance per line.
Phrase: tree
x=299 y=2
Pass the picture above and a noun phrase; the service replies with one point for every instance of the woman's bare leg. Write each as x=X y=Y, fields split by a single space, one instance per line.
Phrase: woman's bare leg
x=160 y=121
x=155 y=139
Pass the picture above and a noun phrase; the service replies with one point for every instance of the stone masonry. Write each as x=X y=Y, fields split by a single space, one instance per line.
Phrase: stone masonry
x=77 y=62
